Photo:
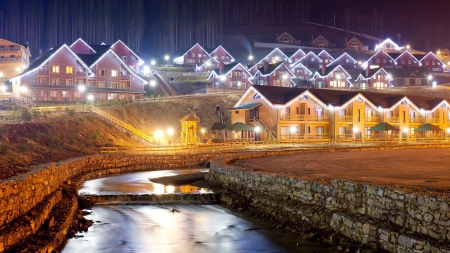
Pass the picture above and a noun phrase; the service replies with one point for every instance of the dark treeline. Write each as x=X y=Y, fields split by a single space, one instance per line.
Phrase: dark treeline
x=401 y=28
x=47 y=23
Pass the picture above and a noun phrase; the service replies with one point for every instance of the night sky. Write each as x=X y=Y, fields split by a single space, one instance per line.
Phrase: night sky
x=432 y=11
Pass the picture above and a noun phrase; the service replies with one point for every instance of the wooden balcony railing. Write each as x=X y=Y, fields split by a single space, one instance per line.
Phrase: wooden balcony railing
x=392 y=119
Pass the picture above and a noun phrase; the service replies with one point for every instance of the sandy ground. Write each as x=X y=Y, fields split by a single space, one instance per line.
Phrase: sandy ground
x=415 y=169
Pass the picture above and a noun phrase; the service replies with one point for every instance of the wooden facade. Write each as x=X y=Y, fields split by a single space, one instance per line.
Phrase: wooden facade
x=432 y=62
x=287 y=39
x=195 y=55
x=355 y=44
x=130 y=58
x=333 y=76
x=231 y=76
x=277 y=74
x=221 y=55
x=14 y=58
x=322 y=42
x=302 y=115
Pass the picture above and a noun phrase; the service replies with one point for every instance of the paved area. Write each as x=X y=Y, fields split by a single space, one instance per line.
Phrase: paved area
x=426 y=169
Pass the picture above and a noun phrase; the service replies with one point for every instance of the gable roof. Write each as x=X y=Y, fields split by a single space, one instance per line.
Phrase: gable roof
x=321 y=38
x=25 y=46
x=299 y=50
x=372 y=72
x=45 y=57
x=310 y=53
x=277 y=49
x=323 y=51
x=140 y=60
x=273 y=67
x=344 y=54
x=208 y=61
x=84 y=42
x=227 y=69
x=299 y=64
x=285 y=33
x=330 y=70
x=354 y=39
x=434 y=56
x=388 y=40
x=232 y=59
x=378 y=52
x=406 y=52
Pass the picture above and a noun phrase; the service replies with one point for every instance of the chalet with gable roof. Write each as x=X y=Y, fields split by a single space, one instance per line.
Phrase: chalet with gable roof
x=275 y=56
x=377 y=78
x=326 y=57
x=411 y=76
x=355 y=44
x=333 y=76
x=301 y=72
x=54 y=76
x=287 y=39
x=380 y=59
x=221 y=55
x=209 y=65
x=322 y=42
x=14 y=58
x=388 y=45
x=432 y=62
x=345 y=60
x=195 y=55
x=302 y=115
x=297 y=55
x=130 y=58
x=231 y=76
x=311 y=61
x=405 y=59
x=276 y=74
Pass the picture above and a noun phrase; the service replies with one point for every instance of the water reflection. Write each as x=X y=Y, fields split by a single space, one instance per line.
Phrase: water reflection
x=139 y=183
x=196 y=228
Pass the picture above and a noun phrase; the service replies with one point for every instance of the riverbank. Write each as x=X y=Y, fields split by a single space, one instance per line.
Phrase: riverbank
x=398 y=208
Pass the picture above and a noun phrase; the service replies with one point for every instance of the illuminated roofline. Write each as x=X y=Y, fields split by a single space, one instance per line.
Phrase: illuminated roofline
x=305 y=93
x=282 y=64
x=299 y=63
x=443 y=64
x=212 y=58
x=367 y=62
x=338 y=66
x=256 y=91
x=80 y=39
x=297 y=52
x=323 y=50
x=331 y=63
x=320 y=60
x=140 y=60
x=378 y=46
x=444 y=101
x=409 y=101
x=406 y=51
x=232 y=58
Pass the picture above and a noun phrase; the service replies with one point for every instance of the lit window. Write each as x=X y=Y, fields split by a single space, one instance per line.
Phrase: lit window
x=69 y=70
x=55 y=69
x=113 y=73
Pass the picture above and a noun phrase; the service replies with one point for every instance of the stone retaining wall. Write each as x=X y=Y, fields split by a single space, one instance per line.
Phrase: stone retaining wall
x=379 y=216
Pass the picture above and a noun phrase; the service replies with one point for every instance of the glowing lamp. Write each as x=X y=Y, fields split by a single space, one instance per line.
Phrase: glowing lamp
x=90 y=97
x=203 y=130
x=355 y=129
x=152 y=83
x=153 y=62
x=405 y=129
x=159 y=134
x=430 y=77
x=166 y=57
x=81 y=88
x=23 y=89
x=250 y=57
x=223 y=78
x=258 y=129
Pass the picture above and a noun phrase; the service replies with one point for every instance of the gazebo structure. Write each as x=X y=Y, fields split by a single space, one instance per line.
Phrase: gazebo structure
x=429 y=131
x=385 y=132
x=216 y=132
x=189 y=129
x=239 y=132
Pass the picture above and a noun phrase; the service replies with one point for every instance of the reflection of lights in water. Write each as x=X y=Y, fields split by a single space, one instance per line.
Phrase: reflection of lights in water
x=170 y=189
x=158 y=188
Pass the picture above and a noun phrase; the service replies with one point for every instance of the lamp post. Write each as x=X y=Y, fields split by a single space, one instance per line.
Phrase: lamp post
x=257 y=130
x=170 y=133
x=82 y=88
x=90 y=98
x=167 y=58
x=146 y=70
x=153 y=84
x=24 y=89
x=158 y=135
x=152 y=62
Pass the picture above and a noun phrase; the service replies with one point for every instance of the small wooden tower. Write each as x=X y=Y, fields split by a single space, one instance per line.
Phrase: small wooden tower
x=189 y=129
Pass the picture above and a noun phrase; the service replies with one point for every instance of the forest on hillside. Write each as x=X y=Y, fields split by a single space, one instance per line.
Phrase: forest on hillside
x=167 y=26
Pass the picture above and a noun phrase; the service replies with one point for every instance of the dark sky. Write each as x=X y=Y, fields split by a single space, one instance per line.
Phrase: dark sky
x=433 y=11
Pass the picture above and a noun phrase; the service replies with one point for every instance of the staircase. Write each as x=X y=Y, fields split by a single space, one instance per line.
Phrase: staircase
x=269 y=136
x=20 y=101
x=122 y=125
x=164 y=85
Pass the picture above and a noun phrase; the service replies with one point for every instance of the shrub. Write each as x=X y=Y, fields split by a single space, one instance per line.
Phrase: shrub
x=26 y=115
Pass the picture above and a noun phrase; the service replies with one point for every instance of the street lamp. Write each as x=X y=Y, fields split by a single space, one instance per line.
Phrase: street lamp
x=167 y=58
x=146 y=70
x=24 y=89
x=257 y=130
x=153 y=62
x=158 y=135
x=153 y=84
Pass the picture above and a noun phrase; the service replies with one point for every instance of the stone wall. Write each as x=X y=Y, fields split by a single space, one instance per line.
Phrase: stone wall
x=382 y=217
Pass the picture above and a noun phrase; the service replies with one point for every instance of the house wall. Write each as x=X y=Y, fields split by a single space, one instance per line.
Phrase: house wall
x=432 y=63
x=190 y=59
x=121 y=50
x=297 y=56
x=276 y=56
x=382 y=60
x=81 y=48
x=221 y=56
x=11 y=59
x=407 y=60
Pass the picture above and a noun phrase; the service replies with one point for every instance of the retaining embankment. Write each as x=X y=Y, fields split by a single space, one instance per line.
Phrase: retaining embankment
x=150 y=199
x=392 y=219
x=26 y=200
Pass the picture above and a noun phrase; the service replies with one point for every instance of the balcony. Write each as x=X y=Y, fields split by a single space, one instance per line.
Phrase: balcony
x=9 y=49
x=317 y=118
x=392 y=119
x=371 y=120
x=10 y=59
x=293 y=118
x=345 y=118
x=432 y=120
x=415 y=120
x=80 y=73
x=124 y=76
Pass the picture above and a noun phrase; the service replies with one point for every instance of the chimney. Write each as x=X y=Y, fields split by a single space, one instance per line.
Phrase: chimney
x=324 y=68
x=221 y=67
x=266 y=67
x=367 y=70
x=251 y=62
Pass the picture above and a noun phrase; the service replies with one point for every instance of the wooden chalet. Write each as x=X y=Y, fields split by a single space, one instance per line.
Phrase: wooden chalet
x=345 y=60
x=333 y=76
x=221 y=55
x=311 y=61
x=275 y=56
x=195 y=55
x=381 y=59
x=322 y=42
x=355 y=44
x=406 y=59
x=297 y=56
x=231 y=76
x=432 y=62
x=209 y=65
x=411 y=76
x=325 y=57
x=301 y=72
x=287 y=39
x=14 y=58
x=389 y=46
x=130 y=58
x=275 y=74
x=377 y=78
x=315 y=115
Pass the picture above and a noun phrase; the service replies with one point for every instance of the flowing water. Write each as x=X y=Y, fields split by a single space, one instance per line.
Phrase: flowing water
x=195 y=228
